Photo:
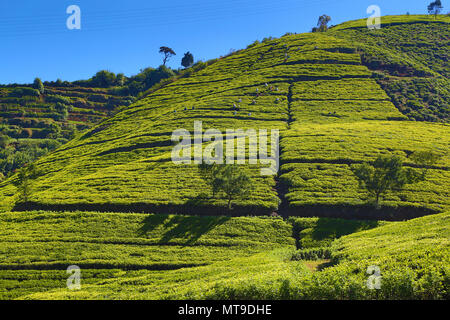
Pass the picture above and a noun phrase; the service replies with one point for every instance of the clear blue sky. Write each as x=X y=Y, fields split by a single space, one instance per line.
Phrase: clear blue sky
x=124 y=36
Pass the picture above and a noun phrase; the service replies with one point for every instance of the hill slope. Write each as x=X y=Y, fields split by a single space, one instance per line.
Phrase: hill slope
x=413 y=258
x=37 y=247
x=314 y=88
x=411 y=55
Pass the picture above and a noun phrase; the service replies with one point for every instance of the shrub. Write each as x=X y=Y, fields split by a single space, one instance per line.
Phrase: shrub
x=22 y=92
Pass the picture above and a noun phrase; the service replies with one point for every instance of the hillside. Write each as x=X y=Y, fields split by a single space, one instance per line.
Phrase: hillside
x=410 y=54
x=140 y=226
x=314 y=88
x=33 y=123
x=37 y=247
x=412 y=257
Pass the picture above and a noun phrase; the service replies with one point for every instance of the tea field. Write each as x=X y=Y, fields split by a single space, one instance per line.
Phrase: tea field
x=141 y=226
x=412 y=257
x=314 y=88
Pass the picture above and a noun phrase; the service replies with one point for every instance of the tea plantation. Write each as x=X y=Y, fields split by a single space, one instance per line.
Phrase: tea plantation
x=140 y=226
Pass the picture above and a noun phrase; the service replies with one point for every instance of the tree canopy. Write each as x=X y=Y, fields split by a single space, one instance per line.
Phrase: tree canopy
x=435 y=7
x=385 y=174
x=322 y=23
x=167 y=52
x=230 y=179
x=188 y=60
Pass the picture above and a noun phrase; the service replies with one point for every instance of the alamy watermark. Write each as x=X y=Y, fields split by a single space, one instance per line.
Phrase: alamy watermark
x=74 y=20
x=192 y=150
x=74 y=280
x=374 y=21
x=374 y=280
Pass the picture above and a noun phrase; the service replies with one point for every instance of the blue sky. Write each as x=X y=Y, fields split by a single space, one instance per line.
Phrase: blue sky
x=124 y=36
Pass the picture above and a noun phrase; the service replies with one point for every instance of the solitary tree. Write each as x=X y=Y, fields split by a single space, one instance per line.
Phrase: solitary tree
x=24 y=182
x=425 y=159
x=386 y=173
x=435 y=7
x=228 y=179
x=167 y=52
x=187 y=60
x=37 y=84
x=322 y=24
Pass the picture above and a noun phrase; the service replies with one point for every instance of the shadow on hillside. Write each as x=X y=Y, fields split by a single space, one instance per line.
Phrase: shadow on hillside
x=188 y=229
x=338 y=227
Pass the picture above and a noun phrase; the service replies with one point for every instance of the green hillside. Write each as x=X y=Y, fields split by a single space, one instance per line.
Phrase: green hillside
x=32 y=123
x=412 y=256
x=140 y=226
x=37 y=247
x=297 y=84
x=410 y=54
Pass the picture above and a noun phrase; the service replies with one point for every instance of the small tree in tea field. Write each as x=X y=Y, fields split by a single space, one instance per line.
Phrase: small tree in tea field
x=24 y=182
x=425 y=159
x=188 y=60
x=37 y=84
x=385 y=174
x=229 y=179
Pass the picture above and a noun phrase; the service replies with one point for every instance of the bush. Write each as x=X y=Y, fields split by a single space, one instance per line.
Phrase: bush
x=22 y=92
x=57 y=99
x=38 y=85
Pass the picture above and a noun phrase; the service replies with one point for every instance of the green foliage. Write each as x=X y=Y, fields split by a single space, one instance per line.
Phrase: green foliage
x=104 y=245
x=322 y=24
x=412 y=256
x=103 y=79
x=24 y=182
x=188 y=60
x=386 y=173
x=38 y=85
x=230 y=179
x=414 y=68
x=24 y=92
x=320 y=233
x=435 y=7
x=167 y=52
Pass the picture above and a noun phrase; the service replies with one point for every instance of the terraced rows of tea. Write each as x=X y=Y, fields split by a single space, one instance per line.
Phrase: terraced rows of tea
x=37 y=247
x=331 y=113
x=136 y=256
x=312 y=87
x=27 y=108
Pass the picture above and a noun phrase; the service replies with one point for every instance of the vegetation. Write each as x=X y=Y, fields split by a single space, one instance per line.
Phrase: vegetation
x=326 y=94
x=386 y=173
x=24 y=181
x=188 y=60
x=37 y=247
x=167 y=52
x=322 y=24
x=435 y=7
x=230 y=179
x=412 y=257
x=408 y=56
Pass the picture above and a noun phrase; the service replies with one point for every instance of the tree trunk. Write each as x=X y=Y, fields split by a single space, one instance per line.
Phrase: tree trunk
x=229 y=203
x=377 y=202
